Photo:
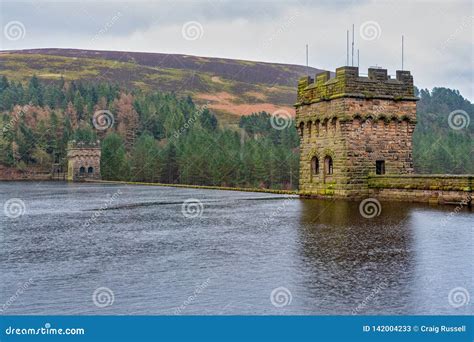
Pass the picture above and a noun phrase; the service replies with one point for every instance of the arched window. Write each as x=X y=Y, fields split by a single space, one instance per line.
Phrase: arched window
x=325 y=125
x=315 y=166
x=328 y=165
x=82 y=170
x=316 y=127
x=301 y=129
x=309 y=129
x=90 y=170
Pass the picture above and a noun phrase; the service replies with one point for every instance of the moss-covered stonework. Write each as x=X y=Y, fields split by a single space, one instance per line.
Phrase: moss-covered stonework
x=355 y=122
x=348 y=83
x=440 y=189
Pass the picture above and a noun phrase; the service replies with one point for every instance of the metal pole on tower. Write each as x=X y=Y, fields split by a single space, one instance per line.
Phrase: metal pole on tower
x=347 y=48
x=358 y=56
x=307 y=63
x=352 y=44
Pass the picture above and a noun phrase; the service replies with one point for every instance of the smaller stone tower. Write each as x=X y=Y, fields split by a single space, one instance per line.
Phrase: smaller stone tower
x=83 y=161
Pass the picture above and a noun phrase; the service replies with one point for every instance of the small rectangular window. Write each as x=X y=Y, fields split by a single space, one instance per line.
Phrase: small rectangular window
x=380 y=167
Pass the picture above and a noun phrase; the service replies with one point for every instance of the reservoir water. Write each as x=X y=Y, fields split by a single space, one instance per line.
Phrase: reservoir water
x=130 y=249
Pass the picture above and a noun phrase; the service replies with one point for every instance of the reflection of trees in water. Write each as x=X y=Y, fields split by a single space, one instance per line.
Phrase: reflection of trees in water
x=345 y=256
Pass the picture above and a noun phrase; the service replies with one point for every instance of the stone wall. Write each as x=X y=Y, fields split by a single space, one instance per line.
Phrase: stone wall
x=321 y=140
x=13 y=173
x=439 y=189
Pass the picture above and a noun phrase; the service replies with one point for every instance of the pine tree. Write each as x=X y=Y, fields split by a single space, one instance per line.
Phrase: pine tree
x=145 y=160
x=127 y=119
x=113 y=161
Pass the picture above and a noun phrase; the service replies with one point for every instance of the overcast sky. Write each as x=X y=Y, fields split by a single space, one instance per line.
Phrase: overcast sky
x=438 y=34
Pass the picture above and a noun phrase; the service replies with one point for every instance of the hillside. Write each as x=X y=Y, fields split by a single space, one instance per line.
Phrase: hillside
x=49 y=97
x=230 y=87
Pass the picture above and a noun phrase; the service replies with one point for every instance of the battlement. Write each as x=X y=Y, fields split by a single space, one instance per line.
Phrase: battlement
x=73 y=144
x=348 y=83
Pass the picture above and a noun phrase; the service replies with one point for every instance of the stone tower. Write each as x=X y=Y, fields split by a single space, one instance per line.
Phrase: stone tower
x=83 y=161
x=352 y=127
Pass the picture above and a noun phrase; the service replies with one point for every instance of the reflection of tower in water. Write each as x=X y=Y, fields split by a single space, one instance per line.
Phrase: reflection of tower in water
x=347 y=256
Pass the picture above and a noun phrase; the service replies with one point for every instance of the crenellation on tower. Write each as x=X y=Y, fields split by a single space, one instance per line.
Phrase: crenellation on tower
x=378 y=74
x=348 y=83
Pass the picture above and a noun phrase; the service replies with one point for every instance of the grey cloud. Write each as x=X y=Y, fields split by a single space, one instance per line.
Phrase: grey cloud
x=438 y=35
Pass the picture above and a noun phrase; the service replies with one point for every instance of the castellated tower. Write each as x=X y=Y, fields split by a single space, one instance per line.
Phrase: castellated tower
x=352 y=128
x=83 y=160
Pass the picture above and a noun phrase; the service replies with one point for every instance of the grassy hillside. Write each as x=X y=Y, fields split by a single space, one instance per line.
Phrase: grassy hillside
x=231 y=88
x=147 y=93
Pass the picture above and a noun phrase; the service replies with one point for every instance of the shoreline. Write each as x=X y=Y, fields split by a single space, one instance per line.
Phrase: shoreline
x=208 y=187
x=298 y=193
